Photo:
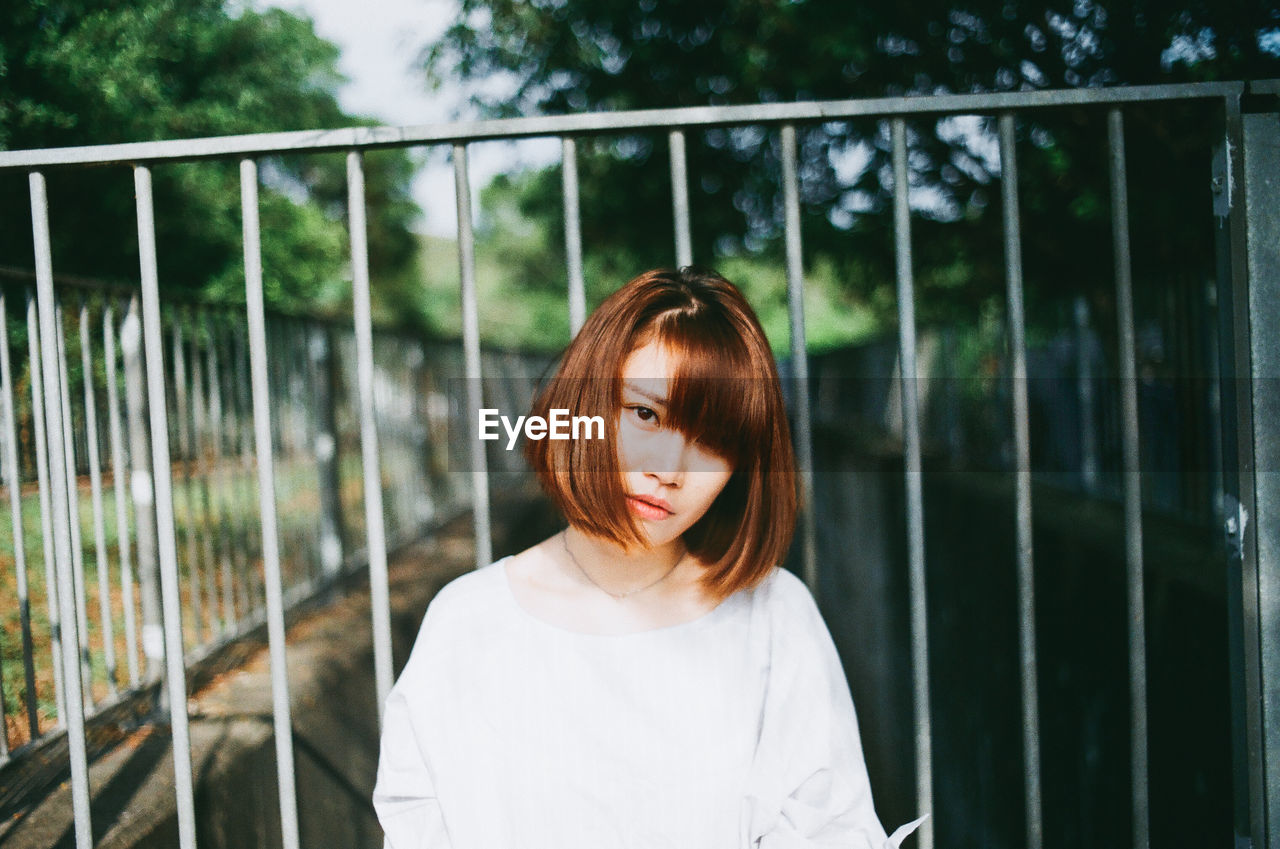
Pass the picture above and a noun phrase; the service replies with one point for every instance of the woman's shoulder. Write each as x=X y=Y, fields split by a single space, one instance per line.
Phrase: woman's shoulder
x=794 y=621
x=782 y=590
x=467 y=597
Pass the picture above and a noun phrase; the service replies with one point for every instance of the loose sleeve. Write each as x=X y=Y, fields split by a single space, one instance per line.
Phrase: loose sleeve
x=809 y=785
x=404 y=795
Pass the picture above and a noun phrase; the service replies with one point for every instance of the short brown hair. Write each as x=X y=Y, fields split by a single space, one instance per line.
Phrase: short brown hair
x=726 y=394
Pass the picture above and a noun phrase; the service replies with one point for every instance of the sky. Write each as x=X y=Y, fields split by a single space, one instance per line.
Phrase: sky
x=380 y=41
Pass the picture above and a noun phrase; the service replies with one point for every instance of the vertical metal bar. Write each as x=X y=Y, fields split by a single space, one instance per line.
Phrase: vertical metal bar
x=237 y=470
x=182 y=431
x=1262 y=196
x=99 y=514
x=60 y=502
x=200 y=460
x=218 y=479
x=267 y=497
x=573 y=234
x=1022 y=478
x=799 y=356
x=142 y=491
x=680 y=198
x=119 y=475
x=175 y=674
x=374 y=523
x=73 y=496
x=321 y=344
x=323 y=542
x=1132 y=478
x=1249 y=800
x=299 y=568
x=1256 y=237
x=305 y=394
x=254 y=591
x=471 y=350
x=13 y=479
x=914 y=476
x=237 y=535
x=45 y=487
x=1085 y=393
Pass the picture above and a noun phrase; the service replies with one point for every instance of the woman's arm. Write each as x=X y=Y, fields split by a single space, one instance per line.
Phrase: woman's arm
x=404 y=795
x=811 y=779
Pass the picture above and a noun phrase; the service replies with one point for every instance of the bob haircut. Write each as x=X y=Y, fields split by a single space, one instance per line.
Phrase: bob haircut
x=725 y=394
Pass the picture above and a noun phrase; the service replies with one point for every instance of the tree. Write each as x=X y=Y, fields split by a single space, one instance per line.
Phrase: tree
x=100 y=71
x=613 y=54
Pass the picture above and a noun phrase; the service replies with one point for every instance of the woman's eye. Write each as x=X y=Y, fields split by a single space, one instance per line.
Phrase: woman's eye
x=643 y=414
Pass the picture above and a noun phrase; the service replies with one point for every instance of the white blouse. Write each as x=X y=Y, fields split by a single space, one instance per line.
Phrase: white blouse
x=730 y=731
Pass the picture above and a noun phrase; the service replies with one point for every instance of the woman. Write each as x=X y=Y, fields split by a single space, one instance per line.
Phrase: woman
x=648 y=677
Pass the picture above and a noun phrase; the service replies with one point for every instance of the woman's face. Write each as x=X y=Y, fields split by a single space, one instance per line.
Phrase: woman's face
x=670 y=482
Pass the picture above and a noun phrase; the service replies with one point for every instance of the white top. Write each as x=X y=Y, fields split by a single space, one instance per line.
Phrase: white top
x=730 y=731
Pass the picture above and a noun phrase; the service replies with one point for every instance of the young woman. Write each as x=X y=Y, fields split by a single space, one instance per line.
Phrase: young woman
x=649 y=677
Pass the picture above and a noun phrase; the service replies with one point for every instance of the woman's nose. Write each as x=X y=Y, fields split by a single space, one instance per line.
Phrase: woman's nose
x=667 y=457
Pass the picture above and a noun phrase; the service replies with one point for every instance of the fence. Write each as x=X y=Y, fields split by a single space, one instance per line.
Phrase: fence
x=1073 y=404
x=105 y=452
x=106 y=449
x=1245 y=204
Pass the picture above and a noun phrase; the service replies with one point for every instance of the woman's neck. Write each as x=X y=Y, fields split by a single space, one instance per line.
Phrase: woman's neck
x=616 y=570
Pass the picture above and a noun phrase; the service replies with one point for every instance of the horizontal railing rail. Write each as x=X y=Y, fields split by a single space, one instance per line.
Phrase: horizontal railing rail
x=461 y=132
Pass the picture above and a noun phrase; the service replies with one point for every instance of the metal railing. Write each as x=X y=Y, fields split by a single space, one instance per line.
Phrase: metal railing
x=1247 y=295
x=105 y=450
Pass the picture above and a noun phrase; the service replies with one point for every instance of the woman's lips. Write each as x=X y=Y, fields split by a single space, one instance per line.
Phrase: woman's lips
x=649 y=508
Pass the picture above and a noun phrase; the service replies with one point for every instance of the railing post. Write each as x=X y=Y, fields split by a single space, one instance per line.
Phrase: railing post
x=913 y=482
x=799 y=357
x=13 y=480
x=375 y=526
x=142 y=491
x=73 y=498
x=1132 y=480
x=220 y=479
x=166 y=536
x=44 y=482
x=1022 y=484
x=573 y=233
x=61 y=496
x=182 y=430
x=250 y=535
x=324 y=373
x=1261 y=132
x=680 y=197
x=99 y=516
x=1248 y=205
x=1085 y=381
x=201 y=519
x=258 y=363
x=471 y=351
x=119 y=476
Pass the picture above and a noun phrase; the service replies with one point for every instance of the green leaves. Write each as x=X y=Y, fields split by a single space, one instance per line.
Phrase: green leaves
x=95 y=71
x=575 y=55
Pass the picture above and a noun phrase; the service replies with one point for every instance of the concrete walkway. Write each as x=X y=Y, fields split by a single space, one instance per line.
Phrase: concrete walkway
x=331 y=686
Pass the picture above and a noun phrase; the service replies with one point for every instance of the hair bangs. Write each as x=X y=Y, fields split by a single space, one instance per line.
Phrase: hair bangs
x=717 y=396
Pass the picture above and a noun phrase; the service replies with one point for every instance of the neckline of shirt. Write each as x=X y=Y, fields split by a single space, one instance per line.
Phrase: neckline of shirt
x=698 y=623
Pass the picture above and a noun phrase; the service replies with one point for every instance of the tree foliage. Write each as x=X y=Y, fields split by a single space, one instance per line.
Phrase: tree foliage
x=76 y=72
x=570 y=55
